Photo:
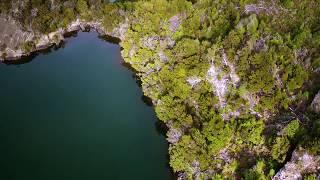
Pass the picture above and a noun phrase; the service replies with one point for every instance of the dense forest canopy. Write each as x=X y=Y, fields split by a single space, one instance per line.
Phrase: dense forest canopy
x=232 y=79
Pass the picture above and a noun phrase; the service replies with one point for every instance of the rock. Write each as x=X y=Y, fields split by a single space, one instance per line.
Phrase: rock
x=259 y=45
x=162 y=57
x=167 y=42
x=301 y=163
x=43 y=42
x=150 y=42
x=82 y=27
x=120 y=31
x=13 y=37
x=56 y=37
x=219 y=85
x=315 y=105
x=175 y=22
x=193 y=81
x=174 y=135
x=262 y=7
x=13 y=54
x=12 y=34
x=74 y=26
x=132 y=51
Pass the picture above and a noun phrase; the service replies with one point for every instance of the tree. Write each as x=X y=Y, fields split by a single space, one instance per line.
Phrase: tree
x=82 y=7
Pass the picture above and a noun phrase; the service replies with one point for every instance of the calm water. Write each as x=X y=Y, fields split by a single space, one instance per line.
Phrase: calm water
x=77 y=114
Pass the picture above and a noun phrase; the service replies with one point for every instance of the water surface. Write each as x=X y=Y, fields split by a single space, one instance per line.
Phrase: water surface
x=76 y=114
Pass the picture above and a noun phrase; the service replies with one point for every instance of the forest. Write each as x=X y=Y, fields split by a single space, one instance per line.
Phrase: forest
x=233 y=80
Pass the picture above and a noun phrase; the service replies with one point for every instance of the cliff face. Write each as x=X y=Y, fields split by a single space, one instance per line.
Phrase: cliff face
x=12 y=38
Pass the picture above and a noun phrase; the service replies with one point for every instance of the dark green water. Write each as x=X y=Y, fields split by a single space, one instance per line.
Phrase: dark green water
x=76 y=114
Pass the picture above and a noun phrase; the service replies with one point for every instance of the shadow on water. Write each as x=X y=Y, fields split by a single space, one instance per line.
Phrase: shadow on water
x=109 y=39
x=32 y=55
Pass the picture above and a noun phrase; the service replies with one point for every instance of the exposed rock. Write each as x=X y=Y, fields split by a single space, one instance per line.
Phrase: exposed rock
x=315 y=105
x=263 y=7
x=220 y=85
x=162 y=57
x=132 y=51
x=233 y=75
x=174 y=135
x=195 y=170
x=301 y=54
x=301 y=163
x=221 y=80
x=225 y=156
x=13 y=53
x=182 y=176
x=34 y=12
x=276 y=75
x=175 y=22
x=43 y=42
x=193 y=81
x=260 y=45
x=167 y=42
x=150 y=42
x=121 y=30
x=12 y=34
x=13 y=37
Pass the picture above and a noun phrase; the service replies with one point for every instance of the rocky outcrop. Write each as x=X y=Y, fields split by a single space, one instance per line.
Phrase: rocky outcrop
x=174 y=135
x=315 y=105
x=265 y=7
x=13 y=38
x=301 y=163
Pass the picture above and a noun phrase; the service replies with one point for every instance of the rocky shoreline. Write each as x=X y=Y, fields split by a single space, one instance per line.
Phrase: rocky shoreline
x=45 y=41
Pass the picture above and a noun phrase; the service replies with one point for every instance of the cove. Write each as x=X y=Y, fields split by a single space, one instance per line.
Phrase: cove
x=76 y=114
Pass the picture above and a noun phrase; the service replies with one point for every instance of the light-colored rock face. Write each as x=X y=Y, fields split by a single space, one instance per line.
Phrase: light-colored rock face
x=175 y=22
x=174 y=135
x=263 y=7
x=11 y=34
x=150 y=42
x=220 y=80
x=162 y=57
x=301 y=163
x=121 y=30
x=193 y=81
x=220 y=85
x=13 y=37
x=315 y=105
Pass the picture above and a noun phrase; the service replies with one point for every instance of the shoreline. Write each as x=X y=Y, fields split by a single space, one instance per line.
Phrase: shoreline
x=32 y=54
x=47 y=41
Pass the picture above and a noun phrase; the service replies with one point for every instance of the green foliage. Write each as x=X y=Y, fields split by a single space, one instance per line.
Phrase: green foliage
x=182 y=154
x=82 y=7
x=310 y=177
x=280 y=148
x=218 y=134
x=250 y=130
x=292 y=129
x=252 y=26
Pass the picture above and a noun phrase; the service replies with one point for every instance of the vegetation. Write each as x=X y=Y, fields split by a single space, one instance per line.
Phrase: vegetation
x=234 y=79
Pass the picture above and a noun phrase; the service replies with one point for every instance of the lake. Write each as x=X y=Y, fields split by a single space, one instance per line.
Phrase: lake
x=76 y=113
